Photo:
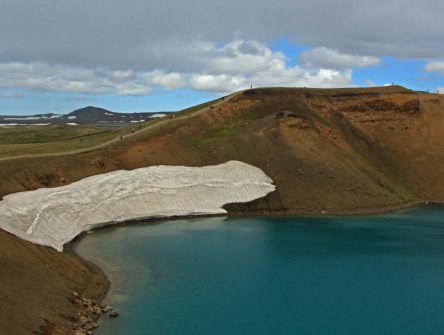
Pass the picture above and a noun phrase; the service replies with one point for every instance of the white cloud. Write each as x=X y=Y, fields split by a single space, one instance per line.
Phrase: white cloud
x=238 y=64
x=43 y=77
x=217 y=82
x=227 y=68
x=243 y=57
x=435 y=67
x=140 y=34
x=168 y=81
x=332 y=59
x=133 y=88
x=123 y=75
x=11 y=95
x=40 y=76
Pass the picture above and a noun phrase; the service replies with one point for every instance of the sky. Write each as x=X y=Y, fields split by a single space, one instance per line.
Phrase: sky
x=166 y=55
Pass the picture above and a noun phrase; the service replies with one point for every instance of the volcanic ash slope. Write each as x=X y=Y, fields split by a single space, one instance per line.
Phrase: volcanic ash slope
x=55 y=216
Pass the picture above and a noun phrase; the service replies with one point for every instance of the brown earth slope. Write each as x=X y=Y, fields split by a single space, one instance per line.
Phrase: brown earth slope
x=36 y=285
x=327 y=150
x=347 y=150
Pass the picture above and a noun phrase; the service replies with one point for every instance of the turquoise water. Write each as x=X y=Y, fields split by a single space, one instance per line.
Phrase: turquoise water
x=288 y=275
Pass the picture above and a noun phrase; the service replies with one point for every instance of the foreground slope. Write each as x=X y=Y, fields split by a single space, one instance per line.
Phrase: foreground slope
x=36 y=284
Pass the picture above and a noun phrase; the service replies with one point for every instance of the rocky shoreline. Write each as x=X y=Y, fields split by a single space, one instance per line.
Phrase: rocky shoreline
x=36 y=286
x=89 y=313
x=89 y=308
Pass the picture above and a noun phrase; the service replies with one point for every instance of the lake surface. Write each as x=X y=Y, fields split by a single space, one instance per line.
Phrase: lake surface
x=275 y=275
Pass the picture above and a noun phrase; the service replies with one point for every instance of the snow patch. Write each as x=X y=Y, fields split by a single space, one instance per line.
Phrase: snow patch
x=22 y=118
x=55 y=216
x=55 y=116
x=8 y=124
x=23 y=124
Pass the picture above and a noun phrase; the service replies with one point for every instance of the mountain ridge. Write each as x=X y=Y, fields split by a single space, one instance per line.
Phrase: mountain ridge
x=313 y=140
x=89 y=115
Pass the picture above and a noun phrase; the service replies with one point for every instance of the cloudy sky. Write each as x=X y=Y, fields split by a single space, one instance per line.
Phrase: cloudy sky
x=153 y=55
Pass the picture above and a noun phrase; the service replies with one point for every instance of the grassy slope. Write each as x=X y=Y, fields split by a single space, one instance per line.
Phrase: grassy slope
x=44 y=134
x=18 y=141
x=37 y=140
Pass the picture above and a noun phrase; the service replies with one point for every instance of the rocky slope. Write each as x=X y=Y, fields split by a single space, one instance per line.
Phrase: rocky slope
x=36 y=284
x=327 y=150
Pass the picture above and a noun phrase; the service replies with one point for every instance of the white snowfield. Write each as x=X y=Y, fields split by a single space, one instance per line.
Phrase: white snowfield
x=23 y=124
x=55 y=216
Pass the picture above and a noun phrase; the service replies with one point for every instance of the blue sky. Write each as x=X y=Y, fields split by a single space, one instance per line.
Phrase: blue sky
x=136 y=56
x=36 y=102
x=408 y=73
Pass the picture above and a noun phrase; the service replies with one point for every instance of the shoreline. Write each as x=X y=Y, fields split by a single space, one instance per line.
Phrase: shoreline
x=70 y=248
x=67 y=272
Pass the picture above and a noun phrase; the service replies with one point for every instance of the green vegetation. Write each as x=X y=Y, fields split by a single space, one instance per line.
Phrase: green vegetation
x=19 y=141
x=229 y=127
x=197 y=107
x=42 y=134
x=35 y=140
x=11 y=150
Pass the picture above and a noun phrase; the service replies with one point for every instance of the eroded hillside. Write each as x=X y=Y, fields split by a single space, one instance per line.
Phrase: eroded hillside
x=327 y=150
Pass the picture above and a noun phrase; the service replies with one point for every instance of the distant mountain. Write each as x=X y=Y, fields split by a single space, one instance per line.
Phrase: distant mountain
x=89 y=115
x=91 y=111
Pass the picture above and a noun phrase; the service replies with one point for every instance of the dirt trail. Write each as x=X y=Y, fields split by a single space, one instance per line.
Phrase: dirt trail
x=117 y=139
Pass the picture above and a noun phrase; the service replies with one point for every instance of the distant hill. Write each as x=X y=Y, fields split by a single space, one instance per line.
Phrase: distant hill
x=95 y=116
x=84 y=116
